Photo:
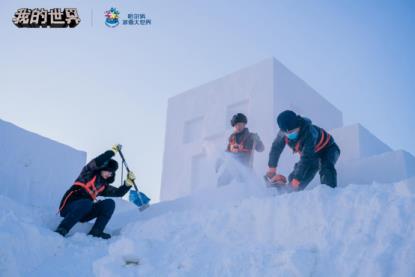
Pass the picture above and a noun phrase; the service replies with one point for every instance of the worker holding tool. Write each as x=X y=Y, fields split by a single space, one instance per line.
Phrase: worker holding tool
x=241 y=147
x=79 y=202
x=317 y=149
x=242 y=143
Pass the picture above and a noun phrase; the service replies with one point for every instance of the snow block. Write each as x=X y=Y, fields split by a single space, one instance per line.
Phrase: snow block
x=388 y=167
x=198 y=121
x=35 y=170
x=356 y=142
x=292 y=93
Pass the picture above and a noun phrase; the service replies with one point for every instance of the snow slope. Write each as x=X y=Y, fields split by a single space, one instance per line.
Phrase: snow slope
x=237 y=230
x=30 y=248
x=357 y=230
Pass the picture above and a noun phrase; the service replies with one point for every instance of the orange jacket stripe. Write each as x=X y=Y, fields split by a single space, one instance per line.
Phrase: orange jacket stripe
x=324 y=140
x=321 y=140
x=324 y=144
x=233 y=142
x=64 y=202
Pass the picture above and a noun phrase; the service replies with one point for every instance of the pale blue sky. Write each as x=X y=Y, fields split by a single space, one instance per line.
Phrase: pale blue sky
x=93 y=86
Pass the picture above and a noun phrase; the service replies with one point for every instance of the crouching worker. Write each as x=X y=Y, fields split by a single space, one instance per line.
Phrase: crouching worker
x=79 y=202
x=317 y=149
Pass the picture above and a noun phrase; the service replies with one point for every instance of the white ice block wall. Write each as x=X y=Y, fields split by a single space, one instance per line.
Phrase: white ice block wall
x=388 y=167
x=199 y=119
x=292 y=93
x=366 y=159
x=356 y=142
x=201 y=116
x=35 y=170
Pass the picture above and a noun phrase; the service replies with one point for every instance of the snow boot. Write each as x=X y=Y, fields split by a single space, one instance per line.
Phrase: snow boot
x=99 y=234
x=61 y=231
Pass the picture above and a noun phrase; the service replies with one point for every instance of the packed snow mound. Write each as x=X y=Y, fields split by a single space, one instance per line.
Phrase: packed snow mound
x=29 y=247
x=236 y=230
x=352 y=231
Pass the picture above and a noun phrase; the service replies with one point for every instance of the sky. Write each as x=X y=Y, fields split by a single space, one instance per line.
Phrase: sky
x=92 y=86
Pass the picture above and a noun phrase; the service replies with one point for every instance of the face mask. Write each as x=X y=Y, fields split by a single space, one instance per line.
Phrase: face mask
x=292 y=136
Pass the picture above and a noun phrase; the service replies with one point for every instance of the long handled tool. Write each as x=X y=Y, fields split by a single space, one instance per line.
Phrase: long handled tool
x=137 y=197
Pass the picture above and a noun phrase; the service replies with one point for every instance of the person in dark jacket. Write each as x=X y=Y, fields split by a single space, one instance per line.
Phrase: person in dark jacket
x=317 y=148
x=79 y=203
x=242 y=142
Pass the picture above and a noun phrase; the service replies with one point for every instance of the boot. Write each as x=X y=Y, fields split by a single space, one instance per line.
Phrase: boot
x=99 y=234
x=62 y=231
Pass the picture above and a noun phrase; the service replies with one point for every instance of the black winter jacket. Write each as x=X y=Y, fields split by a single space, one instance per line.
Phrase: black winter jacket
x=91 y=170
x=311 y=141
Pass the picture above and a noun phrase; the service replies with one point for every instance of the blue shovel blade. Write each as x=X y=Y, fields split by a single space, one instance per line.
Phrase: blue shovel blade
x=138 y=198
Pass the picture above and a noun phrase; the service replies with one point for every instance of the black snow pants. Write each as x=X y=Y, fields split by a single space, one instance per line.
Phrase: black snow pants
x=326 y=168
x=84 y=210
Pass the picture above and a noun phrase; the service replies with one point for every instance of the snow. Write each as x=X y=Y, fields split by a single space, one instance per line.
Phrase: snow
x=366 y=159
x=238 y=230
x=357 y=230
x=35 y=170
x=196 y=131
x=260 y=91
x=365 y=227
x=29 y=247
x=242 y=229
x=387 y=167
x=356 y=142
